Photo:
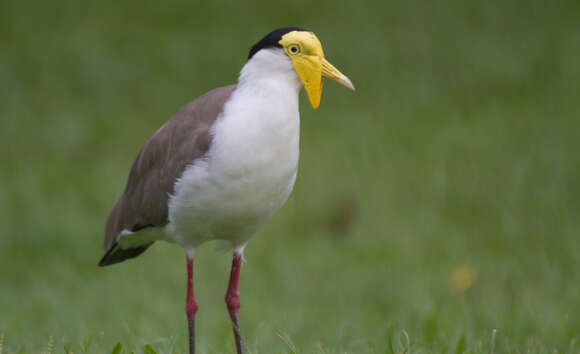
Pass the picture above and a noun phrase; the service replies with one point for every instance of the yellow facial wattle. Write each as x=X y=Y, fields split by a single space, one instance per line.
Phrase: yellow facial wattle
x=305 y=51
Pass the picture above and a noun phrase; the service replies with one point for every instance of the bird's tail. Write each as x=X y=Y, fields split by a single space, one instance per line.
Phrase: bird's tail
x=129 y=244
x=116 y=254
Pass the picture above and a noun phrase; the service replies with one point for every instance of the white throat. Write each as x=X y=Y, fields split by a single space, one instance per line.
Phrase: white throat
x=269 y=69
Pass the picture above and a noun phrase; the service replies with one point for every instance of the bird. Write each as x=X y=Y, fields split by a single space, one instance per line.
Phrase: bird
x=224 y=164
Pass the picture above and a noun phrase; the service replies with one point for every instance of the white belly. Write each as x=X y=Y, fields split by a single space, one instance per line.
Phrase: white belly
x=247 y=175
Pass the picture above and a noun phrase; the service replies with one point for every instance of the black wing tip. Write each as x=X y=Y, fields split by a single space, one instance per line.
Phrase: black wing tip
x=117 y=255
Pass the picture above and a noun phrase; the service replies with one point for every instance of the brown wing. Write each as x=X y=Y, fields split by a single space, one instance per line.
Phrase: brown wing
x=161 y=161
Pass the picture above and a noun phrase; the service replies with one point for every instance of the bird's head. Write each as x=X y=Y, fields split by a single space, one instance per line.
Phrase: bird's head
x=305 y=51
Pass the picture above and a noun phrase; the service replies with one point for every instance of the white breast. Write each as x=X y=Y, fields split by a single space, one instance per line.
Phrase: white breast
x=250 y=168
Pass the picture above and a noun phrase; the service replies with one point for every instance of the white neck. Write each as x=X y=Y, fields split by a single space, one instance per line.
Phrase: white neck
x=269 y=69
x=262 y=115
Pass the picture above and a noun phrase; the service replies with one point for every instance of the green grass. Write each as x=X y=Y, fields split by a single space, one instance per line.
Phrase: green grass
x=459 y=150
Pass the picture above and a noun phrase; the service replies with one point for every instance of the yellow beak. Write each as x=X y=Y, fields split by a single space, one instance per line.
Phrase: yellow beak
x=311 y=70
x=329 y=71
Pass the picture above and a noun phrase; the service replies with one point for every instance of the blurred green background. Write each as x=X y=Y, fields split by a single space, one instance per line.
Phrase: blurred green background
x=437 y=203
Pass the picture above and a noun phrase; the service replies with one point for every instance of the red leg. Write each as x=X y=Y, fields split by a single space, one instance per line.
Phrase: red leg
x=191 y=305
x=233 y=299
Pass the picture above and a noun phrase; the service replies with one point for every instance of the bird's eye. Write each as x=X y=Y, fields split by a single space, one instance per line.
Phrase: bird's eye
x=294 y=49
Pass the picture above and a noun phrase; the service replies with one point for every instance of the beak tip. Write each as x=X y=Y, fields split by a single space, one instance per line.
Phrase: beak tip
x=345 y=81
x=349 y=84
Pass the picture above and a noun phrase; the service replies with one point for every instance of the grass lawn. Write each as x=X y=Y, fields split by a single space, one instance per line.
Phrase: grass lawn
x=437 y=208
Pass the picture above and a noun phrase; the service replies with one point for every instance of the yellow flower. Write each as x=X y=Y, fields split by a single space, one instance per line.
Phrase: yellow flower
x=462 y=278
